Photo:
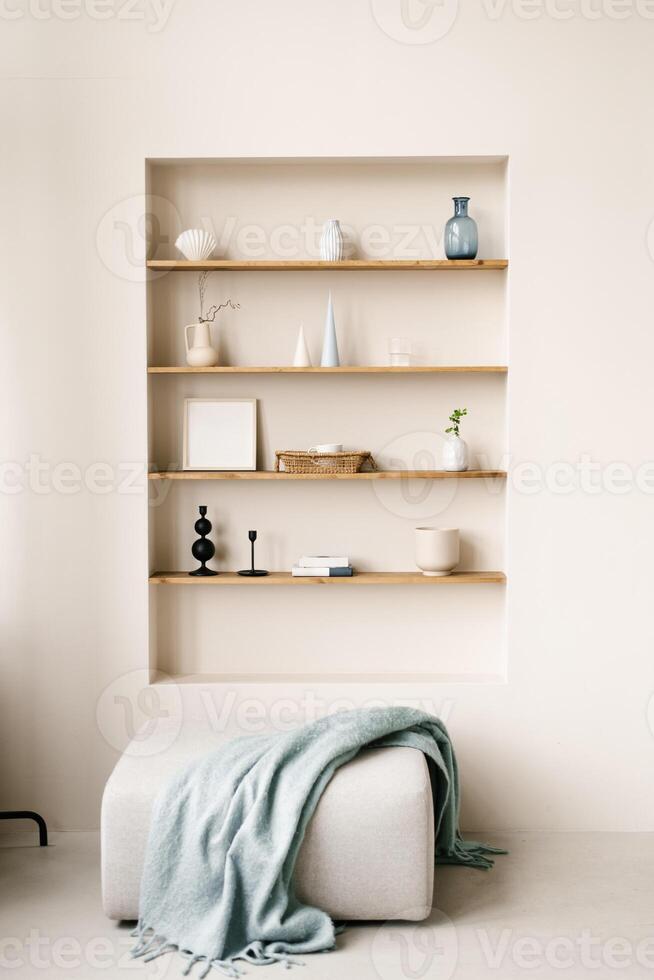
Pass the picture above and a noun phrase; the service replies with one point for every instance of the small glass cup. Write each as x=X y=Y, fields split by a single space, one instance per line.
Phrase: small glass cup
x=399 y=352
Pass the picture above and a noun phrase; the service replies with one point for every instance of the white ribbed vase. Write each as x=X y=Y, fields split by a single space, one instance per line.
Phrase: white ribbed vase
x=331 y=242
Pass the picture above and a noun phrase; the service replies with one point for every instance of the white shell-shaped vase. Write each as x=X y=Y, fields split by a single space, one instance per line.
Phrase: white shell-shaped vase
x=196 y=244
x=330 y=356
x=302 y=357
x=455 y=454
x=331 y=242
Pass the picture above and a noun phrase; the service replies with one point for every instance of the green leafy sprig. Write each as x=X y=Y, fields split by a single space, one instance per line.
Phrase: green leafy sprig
x=455 y=419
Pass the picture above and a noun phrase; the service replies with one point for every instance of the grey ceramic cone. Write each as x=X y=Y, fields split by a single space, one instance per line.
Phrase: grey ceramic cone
x=330 y=356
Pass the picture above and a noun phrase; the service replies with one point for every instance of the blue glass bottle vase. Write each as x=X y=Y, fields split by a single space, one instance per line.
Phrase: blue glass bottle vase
x=461 y=236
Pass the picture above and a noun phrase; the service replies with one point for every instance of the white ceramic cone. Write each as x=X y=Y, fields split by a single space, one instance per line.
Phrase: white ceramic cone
x=330 y=344
x=302 y=357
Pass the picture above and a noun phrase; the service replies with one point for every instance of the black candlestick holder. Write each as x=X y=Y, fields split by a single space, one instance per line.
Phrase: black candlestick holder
x=252 y=572
x=203 y=549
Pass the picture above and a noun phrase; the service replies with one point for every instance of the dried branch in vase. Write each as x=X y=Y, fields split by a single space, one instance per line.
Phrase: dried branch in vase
x=213 y=310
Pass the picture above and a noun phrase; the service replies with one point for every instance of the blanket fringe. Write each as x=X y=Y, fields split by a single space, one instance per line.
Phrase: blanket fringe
x=150 y=945
x=256 y=953
x=469 y=852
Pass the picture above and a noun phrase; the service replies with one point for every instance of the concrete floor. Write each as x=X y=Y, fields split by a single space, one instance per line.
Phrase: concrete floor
x=560 y=905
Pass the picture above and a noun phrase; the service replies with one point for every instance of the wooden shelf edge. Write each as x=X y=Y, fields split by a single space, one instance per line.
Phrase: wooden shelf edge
x=359 y=578
x=348 y=265
x=346 y=369
x=161 y=678
x=375 y=475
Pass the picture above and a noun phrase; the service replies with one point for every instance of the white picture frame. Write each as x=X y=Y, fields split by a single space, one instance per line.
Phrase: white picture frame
x=220 y=434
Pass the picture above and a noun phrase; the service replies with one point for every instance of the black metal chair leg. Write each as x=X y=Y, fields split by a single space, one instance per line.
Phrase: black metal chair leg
x=28 y=815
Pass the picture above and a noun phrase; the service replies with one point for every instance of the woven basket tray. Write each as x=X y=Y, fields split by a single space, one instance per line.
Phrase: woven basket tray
x=291 y=461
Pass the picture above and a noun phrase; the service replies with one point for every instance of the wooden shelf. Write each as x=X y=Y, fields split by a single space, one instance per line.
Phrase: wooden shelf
x=348 y=265
x=165 y=679
x=347 y=369
x=359 y=578
x=376 y=475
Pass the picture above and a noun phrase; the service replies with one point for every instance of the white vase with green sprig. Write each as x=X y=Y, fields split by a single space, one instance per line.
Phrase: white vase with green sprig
x=455 y=450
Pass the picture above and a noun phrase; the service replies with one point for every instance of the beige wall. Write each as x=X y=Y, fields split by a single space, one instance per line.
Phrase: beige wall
x=564 y=742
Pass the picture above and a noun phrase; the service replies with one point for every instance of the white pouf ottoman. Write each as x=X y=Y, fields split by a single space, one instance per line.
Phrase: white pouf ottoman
x=368 y=852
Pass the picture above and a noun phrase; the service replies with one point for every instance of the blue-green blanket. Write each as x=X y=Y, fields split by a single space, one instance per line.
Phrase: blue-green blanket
x=225 y=834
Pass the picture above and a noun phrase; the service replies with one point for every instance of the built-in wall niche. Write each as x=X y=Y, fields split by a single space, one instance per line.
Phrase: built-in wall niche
x=392 y=210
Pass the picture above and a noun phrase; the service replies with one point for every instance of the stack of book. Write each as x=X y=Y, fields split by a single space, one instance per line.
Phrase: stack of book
x=322 y=566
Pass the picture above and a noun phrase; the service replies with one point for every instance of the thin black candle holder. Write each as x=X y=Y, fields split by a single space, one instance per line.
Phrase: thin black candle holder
x=252 y=572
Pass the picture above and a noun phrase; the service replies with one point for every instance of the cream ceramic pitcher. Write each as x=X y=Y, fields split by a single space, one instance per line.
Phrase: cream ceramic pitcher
x=200 y=353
